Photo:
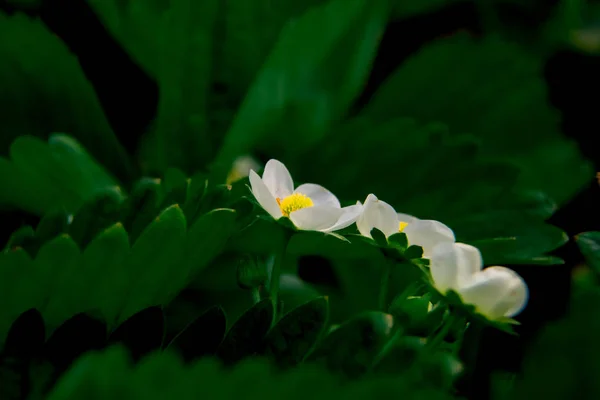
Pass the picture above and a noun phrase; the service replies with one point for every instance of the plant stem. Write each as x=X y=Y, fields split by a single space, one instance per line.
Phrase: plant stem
x=439 y=337
x=276 y=276
x=256 y=295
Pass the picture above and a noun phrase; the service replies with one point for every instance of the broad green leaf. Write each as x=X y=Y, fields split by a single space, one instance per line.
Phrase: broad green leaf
x=246 y=335
x=250 y=32
x=308 y=81
x=97 y=214
x=260 y=237
x=154 y=259
x=505 y=84
x=159 y=376
x=141 y=207
x=509 y=238
x=589 y=244
x=18 y=287
x=89 y=375
x=204 y=241
x=46 y=91
x=186 y=44
x=42 y=177
x=352 y=347
x=296 y=333
x=105 y=278
x=316 y=243
x=61 y=260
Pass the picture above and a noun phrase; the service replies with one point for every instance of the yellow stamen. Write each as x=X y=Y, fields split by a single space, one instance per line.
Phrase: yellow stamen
x=402 y=225
x=294 y=202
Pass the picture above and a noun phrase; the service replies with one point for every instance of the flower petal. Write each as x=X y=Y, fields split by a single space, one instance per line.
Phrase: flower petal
x=278 y=179
x=454 y=264
x=427 y=234
x=406 y=218
x=377 y=214
x=316 y=218
x=264 y=196
x=318 y=194
x=349 y=216
x=496 y=292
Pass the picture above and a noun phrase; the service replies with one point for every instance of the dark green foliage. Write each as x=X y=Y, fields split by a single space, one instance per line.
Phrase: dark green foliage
x=245 y=337
x=109 y=375
x=295 y=334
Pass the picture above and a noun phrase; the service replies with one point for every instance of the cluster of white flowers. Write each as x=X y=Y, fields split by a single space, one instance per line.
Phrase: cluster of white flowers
x=495 y=292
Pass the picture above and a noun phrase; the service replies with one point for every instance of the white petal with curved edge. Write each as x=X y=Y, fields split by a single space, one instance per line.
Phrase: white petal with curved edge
x=427 y=234
x=316 y=218
x=496 y=292
x=406 y=218
x=318 y=194
x=377 y=214
x=349 y=216
x=278 y=179
x=452 y=265
x=264 y=196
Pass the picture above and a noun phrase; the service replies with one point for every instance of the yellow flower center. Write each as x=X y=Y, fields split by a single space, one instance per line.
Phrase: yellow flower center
x=402 y=225
x=294 y=202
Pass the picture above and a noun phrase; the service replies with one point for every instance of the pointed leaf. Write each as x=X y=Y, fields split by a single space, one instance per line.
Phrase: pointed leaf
x=205 y=240
x=308 y=81
x=105 y=279
x=154 y=259
x=96 y=215
x=589 y=244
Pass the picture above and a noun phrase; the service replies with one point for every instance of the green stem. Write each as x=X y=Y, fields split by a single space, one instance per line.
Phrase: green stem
x=276 y=276
x=385 y=284
x=438 y=339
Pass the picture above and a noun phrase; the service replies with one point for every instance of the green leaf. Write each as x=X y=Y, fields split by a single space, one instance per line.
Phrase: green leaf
x=379 y=237
x=249 y=36
x=42 y=177
x=96 y=215
x=245 y=337
x=51 y=225
x=18 y=286
x=308 y=81
x=399 y=239
x=505 y=84
x=186 y=47
x=295 y=335
x=352 y=347
x=204 y=241
x=43 y=90
x=316 y=243
x=141 y=207
x=509 y=238
x=154 y=259
x=260 y=237
x=589 y=244
x=22 y=237
x=58 y=266
x=105 y=277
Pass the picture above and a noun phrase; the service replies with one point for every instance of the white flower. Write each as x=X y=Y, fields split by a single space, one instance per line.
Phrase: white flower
x=241 y=168
x=309 y=206
x=495 y=291
x=419 y=232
